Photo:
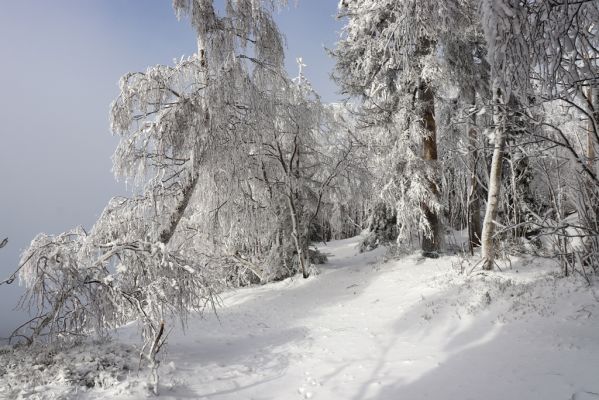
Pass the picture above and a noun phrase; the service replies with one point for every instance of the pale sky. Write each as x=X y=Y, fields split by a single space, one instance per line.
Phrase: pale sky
x=59 y=67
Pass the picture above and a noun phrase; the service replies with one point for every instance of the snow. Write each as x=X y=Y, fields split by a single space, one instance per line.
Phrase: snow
x=371 y=328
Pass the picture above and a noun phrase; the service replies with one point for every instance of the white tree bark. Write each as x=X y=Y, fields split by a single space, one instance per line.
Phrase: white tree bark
x=487 y=242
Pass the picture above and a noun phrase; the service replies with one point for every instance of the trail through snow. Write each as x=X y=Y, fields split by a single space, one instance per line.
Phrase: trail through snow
x=411 y=329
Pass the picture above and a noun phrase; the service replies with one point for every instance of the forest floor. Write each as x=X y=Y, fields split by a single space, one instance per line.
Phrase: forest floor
x=367 y=328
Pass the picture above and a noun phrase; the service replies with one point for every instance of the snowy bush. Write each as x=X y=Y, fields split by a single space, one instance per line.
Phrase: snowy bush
x=64 y=369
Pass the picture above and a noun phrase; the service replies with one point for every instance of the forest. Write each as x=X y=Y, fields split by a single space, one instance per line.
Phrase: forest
x=468 y=141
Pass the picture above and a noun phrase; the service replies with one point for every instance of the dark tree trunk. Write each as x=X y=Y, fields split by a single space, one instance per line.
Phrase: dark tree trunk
x=593 y=102
x=431 y=242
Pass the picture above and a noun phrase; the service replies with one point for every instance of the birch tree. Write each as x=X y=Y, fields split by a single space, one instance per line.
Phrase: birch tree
x=177 y=124
x=550 y=44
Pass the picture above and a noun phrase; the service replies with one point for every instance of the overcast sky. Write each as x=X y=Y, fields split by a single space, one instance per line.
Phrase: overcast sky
x=59 y=67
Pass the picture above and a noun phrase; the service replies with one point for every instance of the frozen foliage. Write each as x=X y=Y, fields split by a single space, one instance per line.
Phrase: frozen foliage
x=400 y=58
x=65 y=370
x=387 y=46
x=78 y=287
x=552 y=42
x=506 y=31
x=345 y=212
x=542 y=52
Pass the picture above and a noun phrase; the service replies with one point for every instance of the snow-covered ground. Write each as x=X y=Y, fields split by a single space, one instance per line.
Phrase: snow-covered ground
x=411 y=328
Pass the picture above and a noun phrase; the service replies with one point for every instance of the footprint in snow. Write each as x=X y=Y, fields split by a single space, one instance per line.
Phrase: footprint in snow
x=306 y=394
x=303 y=391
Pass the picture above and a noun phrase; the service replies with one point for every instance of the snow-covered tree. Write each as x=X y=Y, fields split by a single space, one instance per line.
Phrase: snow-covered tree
x=538 y=51
x=190 y=135
x=395 y=56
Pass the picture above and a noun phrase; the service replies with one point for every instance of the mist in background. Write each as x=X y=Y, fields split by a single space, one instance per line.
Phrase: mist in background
x=60 y=63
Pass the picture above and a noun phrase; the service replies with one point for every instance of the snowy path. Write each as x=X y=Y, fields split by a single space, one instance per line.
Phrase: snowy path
x=408 y=329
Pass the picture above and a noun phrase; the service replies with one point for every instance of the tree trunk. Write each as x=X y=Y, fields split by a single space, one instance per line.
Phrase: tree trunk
x=592 y=135
x=474 y=224
x=430 y=242
x=295 y=225
x=488 y=244
x=167 y=234
x=593 y=101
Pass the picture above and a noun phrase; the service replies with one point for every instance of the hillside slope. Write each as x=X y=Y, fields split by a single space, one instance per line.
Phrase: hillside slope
x=411 y=328
x=408 y=329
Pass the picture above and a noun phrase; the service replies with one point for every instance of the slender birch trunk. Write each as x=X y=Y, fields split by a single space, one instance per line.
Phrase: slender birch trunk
x=487 y=240
x=168 y=232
